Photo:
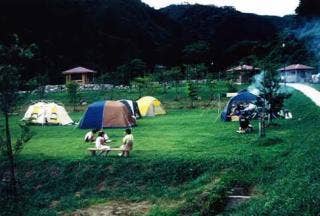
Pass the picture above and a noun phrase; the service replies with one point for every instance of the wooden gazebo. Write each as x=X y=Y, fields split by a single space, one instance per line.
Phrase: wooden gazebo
x=80 y=75
x=296 y=73
x=244 y=72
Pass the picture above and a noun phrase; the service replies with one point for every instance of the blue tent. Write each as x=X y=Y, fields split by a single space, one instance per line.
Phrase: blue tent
x=93 y=116
x=107 y=114
x=243 y=97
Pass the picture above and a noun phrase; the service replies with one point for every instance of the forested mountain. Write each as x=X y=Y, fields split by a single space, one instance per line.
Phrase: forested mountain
x=223 y=26
x=308 y=8
x=103 y=34
x=100 y=34
x=230 y=33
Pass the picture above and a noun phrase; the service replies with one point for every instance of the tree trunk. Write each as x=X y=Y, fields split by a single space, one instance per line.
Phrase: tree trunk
x=164 y=88
x=192 y=103
x=13 y=183
x=140 y=92
x=262 y=132
x=219 y=103
x=176 y=86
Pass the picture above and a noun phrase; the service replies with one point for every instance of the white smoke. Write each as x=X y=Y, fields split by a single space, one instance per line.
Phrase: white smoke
x=310 y=33
x=256 y=83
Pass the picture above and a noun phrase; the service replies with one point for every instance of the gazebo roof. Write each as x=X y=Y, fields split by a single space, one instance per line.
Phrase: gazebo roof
x=243 y=68
x=78 y=70
x=296 y=67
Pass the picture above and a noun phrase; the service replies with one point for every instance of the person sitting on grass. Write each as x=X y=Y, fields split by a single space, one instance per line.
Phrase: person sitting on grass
x=90 y=136
x=127 y=143
x=245 y=125
x=100 y=142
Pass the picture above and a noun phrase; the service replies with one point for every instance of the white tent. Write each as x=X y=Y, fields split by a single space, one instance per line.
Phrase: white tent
x=47 y=113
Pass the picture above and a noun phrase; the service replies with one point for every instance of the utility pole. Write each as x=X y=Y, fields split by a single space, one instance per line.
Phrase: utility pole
x=262 y=124
x=284 y=64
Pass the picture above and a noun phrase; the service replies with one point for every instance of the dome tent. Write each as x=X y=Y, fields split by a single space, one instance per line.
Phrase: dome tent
x=242 y=97
x=150 y=106
x=47 y=113
x=107 y=114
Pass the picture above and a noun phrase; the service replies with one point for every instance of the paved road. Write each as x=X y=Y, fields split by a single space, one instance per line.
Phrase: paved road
x=310 y=92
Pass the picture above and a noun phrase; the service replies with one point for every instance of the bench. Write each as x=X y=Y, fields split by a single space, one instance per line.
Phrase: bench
x=95 y=150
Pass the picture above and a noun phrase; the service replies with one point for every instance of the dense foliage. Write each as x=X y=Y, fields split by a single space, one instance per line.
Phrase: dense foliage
x=72 y=89
x=98 y=34
x=11 y=65
x=106 y=35
x=222 y=28
x=308 y=8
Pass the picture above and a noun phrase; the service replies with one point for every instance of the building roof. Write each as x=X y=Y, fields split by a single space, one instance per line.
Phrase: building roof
x=78 y=70
x=243 y=68
x=296 y=67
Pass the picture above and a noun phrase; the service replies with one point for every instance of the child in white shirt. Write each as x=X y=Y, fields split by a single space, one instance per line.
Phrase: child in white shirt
x=127 y=143
x=100 y=142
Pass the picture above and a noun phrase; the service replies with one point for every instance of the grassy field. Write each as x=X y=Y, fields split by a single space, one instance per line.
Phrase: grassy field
x=183 y=163
x=317 y=86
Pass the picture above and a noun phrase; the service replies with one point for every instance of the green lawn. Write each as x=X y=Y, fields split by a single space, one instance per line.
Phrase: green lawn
x=317 y=86
x=183 y=163
x=179 y=134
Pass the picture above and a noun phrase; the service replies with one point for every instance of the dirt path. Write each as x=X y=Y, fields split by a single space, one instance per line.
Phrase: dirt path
x=310 y=92
x=114 y=209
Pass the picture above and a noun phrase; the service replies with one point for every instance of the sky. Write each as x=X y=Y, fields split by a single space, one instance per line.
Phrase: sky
x=262 y=7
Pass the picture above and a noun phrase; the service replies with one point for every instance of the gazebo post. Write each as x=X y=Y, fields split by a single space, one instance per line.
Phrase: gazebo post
x=83 y=78
x=68 y=78
x=285 y=77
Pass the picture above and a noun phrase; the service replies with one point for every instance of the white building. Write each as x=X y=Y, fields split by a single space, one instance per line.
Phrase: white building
x=296 y=73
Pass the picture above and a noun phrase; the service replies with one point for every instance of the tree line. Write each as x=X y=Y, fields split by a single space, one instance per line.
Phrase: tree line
x=108 y=35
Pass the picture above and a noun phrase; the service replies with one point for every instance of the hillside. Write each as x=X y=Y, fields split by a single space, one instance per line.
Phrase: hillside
x=103 y=34
x=221 y=24
x=224 y=28
x=100 y=34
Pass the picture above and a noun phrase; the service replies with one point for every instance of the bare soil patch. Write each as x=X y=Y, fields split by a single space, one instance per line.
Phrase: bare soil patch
x=114 y=208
